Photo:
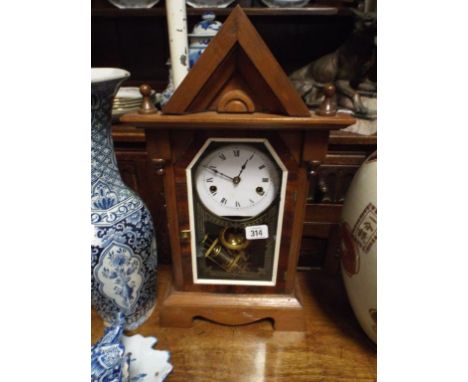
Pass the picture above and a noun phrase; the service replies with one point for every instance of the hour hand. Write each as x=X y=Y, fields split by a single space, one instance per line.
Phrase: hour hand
x=219 y=173
x=244 y=165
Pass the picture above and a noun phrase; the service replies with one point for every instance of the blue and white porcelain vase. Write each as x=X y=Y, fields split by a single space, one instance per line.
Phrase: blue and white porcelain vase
x=123 y=247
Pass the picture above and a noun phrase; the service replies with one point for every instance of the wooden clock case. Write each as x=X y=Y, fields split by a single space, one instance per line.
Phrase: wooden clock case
x=235 y=90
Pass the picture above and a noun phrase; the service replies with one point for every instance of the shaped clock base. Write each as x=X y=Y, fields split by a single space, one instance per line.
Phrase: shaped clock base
x=179 y=308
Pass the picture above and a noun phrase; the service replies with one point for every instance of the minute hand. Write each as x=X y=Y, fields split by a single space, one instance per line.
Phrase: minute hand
x=219 y=172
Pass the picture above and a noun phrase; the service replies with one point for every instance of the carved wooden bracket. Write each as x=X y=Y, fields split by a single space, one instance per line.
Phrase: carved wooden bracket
x=158 y=165
x=312 y=172
x=312 y=167
x=235 y=101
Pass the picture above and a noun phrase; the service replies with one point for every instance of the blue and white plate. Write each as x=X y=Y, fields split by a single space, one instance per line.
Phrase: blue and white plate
x=146 y=363
x=119 y=358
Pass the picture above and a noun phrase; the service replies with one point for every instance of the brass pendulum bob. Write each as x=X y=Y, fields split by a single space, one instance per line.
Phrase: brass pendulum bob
x=233 y=239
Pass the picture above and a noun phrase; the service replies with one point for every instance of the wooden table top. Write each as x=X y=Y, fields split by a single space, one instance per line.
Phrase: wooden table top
x=333 y=349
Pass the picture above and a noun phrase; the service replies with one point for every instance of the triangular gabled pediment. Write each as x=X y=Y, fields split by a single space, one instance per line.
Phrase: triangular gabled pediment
x=237 y=73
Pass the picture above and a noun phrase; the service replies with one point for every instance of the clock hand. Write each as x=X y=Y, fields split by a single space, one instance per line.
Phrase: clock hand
x=219 y=172
x=243 y=166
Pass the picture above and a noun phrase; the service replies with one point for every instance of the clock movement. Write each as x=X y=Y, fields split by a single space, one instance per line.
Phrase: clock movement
x=233 y=153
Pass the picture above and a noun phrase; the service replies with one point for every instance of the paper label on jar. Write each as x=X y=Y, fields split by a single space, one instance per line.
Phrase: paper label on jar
x=256 y=232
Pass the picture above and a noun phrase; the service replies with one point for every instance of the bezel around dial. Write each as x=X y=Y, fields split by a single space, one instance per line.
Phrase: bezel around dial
x=237 y=180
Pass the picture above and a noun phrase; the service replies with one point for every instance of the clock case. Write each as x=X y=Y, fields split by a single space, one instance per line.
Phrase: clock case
x=235 y=90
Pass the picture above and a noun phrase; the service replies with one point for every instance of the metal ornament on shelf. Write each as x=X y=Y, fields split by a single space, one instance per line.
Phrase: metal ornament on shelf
x=123 y=247
x=209 y=3
x=349 y=68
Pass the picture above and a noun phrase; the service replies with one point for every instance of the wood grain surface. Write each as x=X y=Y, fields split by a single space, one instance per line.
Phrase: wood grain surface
x=259 y=121
x=333 y=349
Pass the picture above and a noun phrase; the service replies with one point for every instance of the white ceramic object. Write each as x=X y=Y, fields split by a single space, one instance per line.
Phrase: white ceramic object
x=208 y=27
x=176 y=13
x=128 y=100
x=202 y=33
x=359 y=245
x=285 y=3
x=146 y=363
x=209 y=3
x=129 y=92
x=135 y=4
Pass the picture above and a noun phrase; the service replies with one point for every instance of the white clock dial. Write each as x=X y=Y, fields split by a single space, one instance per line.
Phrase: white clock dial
x=237 y=180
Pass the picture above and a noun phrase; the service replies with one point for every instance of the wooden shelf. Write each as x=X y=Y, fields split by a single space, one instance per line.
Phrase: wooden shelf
x=340 y=137
x=258 y=11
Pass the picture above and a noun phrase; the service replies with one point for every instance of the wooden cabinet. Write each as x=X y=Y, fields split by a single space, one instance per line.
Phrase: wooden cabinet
x=320 y=241
x=346 y=152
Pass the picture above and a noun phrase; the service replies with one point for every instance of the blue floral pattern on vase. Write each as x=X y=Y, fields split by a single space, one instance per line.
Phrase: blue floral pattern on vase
x=123 y=247
x=119 y=274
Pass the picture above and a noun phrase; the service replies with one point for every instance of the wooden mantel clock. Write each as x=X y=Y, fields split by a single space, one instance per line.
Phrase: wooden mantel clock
x=234 y=145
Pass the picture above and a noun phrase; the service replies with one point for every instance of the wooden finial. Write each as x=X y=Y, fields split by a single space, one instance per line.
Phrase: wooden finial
x=328 y=105
x=147 y=106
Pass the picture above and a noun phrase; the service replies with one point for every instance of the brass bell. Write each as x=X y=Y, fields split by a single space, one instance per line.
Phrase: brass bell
x=233 y=239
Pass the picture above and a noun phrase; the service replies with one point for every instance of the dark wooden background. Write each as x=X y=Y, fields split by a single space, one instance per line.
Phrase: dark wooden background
x=137 y=40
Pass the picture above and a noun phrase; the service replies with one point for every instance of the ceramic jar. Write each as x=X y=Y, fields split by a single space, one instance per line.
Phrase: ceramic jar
x=201 y=36
x=123 y=248
x=359 y=245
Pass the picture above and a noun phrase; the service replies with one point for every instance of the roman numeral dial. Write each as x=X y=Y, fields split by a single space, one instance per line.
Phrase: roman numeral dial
x=237 y=179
